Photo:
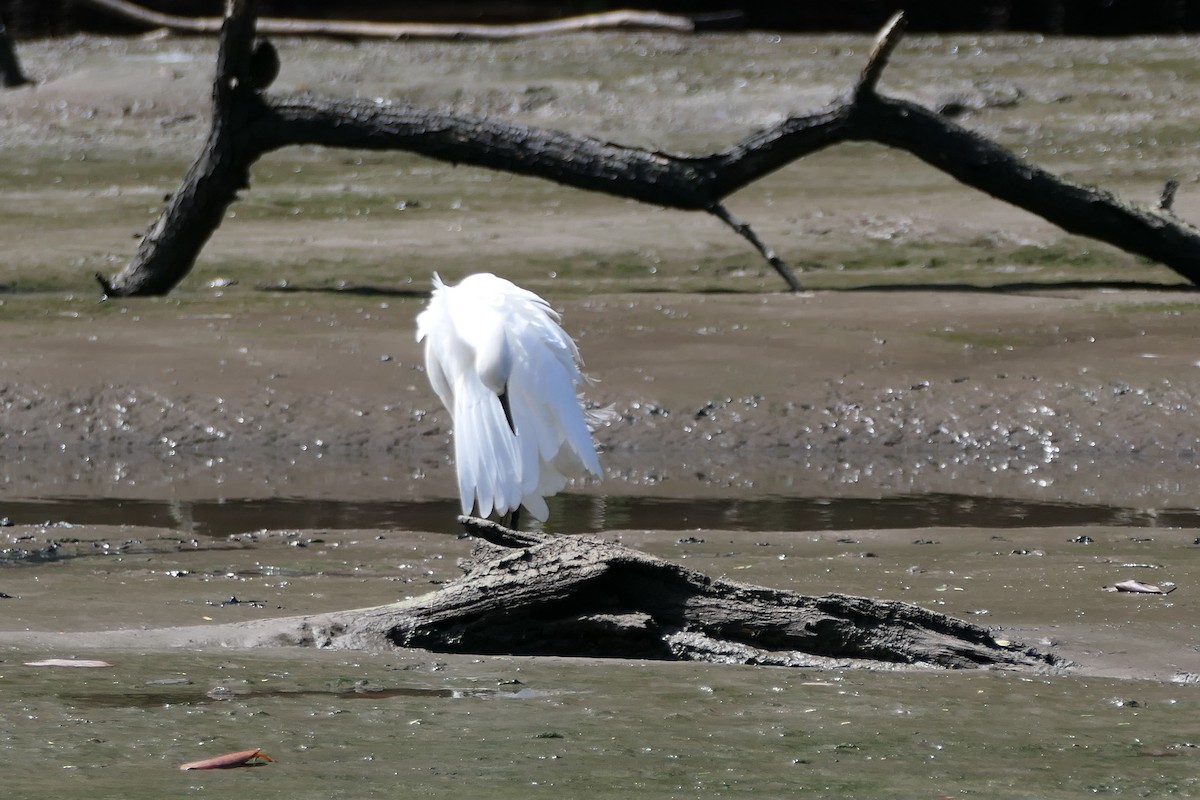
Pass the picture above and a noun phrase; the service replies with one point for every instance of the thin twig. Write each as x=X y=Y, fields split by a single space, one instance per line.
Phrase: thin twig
x=744 y=230
x=885 y=42
x=498 y=534
x=1166 y=200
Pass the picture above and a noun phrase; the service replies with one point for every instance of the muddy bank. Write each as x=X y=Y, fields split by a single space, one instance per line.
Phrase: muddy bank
x=1038 y=587
x=1079 y=396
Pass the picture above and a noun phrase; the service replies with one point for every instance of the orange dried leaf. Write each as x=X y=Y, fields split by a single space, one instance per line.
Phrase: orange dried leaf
x=242 y=758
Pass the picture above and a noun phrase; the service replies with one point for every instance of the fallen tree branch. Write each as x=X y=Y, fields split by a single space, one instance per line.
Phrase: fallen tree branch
x=248 y=123
x=354 y=29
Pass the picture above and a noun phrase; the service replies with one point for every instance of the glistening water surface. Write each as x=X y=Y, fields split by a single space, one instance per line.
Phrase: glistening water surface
x=584 y=514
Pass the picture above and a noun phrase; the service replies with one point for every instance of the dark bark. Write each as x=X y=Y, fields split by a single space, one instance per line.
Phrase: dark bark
x=167 y=251
x=661 y=179
x=978 y=162
x=11 y=75
x=534 y=594
x=247 y=124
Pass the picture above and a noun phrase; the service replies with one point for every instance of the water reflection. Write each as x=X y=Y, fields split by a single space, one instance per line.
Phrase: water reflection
x=586 y=514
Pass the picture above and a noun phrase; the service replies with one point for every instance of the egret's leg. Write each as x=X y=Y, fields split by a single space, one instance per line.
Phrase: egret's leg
x=507 y=410
x=513 y=518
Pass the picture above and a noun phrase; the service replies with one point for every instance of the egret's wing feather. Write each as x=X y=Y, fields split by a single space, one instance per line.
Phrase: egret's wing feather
x=555 y=379
x=435 y=370
x=553 y=437
x=551 y=386
x=436 y=328
x=536 y=506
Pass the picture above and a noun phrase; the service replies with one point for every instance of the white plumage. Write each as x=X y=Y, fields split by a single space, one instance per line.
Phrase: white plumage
x=489 y=343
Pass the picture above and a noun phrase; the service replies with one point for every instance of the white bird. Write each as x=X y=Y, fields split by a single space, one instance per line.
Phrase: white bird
x=509 y=375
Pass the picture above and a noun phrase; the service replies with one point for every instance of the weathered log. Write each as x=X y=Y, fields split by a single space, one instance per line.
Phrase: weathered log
x=11 y=75
x=690 y=182
x=355 y=29
x=536 y=594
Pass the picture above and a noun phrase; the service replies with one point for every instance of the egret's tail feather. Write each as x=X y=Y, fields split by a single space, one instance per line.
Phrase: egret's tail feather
x=485 y=449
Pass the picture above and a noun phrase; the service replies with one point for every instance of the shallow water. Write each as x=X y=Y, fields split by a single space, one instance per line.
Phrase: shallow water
x=585 y=514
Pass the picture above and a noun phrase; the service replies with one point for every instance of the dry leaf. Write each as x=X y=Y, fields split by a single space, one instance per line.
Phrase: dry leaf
x=242 y=758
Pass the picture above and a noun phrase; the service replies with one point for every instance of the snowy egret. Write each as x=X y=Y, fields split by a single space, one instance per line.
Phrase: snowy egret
x=509 y=375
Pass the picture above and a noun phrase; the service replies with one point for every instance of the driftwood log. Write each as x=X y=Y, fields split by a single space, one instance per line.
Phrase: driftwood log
x=356 y=29
x=538 y=594
x=247 y=123
x=11 y=75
